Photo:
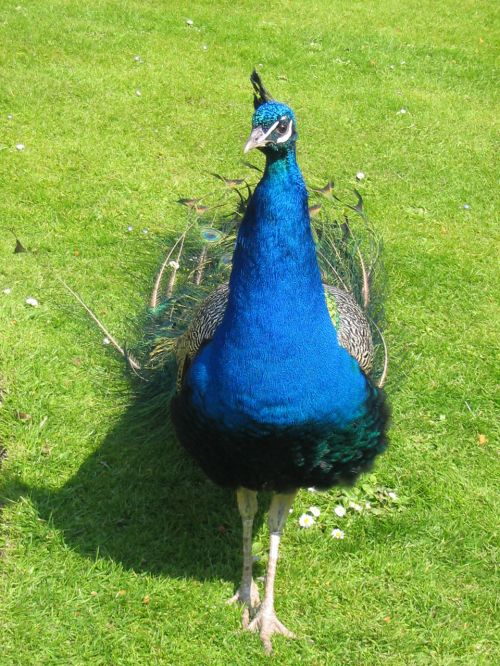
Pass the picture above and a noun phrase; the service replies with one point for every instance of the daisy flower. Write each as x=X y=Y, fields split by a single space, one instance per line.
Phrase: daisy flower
x=306 y=520
x=32 y=301
x=393 y=496
x=355 y=506
x=338 y=534
x=340 y=510
x=315 y=511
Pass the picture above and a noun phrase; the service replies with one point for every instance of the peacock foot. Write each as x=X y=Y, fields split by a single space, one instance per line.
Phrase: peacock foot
x=267 y=624
x=248 y=595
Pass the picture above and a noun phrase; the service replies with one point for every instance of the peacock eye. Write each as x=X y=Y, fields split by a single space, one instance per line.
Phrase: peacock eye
x=282 y=126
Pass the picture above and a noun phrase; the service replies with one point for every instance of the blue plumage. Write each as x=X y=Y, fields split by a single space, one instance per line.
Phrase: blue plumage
x=267 y=396
x=274 y=362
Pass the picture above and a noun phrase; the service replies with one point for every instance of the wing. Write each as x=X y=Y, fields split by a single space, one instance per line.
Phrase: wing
x=205 y=321
x=353 y=328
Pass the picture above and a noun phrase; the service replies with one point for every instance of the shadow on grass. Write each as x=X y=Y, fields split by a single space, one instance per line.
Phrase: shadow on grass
x=140 y=501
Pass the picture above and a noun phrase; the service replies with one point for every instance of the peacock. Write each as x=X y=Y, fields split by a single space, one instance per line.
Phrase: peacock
x=273 y=393
x=270 y=319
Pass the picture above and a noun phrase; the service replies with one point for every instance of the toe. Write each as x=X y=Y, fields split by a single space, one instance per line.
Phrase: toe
x=249 y=596
x=281 y=629
x=266 y=642
x=245 y=618
x=254 y=625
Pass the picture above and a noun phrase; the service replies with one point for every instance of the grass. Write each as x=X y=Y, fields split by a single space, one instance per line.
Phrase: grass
x=114 y=549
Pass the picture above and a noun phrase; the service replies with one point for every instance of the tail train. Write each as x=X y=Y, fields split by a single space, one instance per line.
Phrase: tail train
x=199 y=260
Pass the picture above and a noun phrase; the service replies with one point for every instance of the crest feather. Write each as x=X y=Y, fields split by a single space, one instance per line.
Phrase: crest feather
x=261 y=95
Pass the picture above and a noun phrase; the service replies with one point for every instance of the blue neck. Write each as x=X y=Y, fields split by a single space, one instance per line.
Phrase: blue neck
x=275 y=257
x=275 y=356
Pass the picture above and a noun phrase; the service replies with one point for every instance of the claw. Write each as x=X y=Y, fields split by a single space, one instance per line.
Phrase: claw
x=249 y=597
x=267 y=624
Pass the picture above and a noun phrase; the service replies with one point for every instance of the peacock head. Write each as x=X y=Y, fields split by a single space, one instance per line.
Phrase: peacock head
x=273 y=123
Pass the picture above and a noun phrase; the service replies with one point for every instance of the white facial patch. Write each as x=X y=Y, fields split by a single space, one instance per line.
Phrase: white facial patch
x=288 y=134
x=270 y=130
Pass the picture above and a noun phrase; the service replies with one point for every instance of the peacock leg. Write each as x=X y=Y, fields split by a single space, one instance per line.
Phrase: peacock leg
x=265 y=621
x=247 y=592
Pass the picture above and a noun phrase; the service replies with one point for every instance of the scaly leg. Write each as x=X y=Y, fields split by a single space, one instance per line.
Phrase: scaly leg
x=266 y=622
x=247 y=592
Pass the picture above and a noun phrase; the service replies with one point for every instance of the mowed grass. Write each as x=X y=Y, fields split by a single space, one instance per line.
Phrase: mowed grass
x=114 y=548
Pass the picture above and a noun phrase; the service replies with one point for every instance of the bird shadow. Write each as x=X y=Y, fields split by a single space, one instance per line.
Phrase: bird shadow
x=140 y=501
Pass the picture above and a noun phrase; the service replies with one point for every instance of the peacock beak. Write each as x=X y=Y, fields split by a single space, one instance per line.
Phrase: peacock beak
x=258 y=137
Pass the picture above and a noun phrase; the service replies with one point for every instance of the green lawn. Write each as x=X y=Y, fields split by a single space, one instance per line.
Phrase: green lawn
x=113 y=548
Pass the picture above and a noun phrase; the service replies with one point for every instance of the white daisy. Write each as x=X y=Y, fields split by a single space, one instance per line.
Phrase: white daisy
x=306 y=520
x=360 y=175
x=7 y=290
x=340 y=510
x=338 y=534
x=393 y=495
x=312 y=489
x=315 y=511
x=20 y=146
x=106 y=341
x=355 y=506
x=32 y=301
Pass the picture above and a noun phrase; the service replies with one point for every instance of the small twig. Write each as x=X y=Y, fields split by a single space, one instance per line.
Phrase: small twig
x=112 y=340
